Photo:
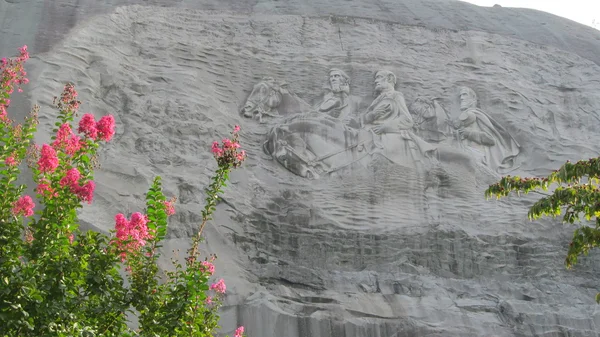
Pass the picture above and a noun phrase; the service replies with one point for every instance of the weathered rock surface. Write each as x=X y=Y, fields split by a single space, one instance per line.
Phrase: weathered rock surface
x=379 y=248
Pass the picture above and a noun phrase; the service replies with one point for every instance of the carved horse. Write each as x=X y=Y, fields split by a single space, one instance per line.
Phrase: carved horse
x=312 y=144
x=316 y=144
x=270 y=98
x=307 y=143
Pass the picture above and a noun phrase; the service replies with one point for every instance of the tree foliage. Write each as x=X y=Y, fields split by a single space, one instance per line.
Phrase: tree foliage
x=575 y=197
x=56 y=280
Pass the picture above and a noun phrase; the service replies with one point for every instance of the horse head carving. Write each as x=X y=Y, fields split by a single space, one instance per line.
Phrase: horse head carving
x=265 y=98
x=270 y=97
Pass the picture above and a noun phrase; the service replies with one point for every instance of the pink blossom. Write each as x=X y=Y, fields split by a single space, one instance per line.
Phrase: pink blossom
x=23 y=206
x=86 y=192
x=207 y=266
x=87 y=126
x=71 y=178
x=216 y=149
x=228 y=155
x=10 y=161
x=170 y=209
x=63 y=133
x=139 y=228
x=106 y=127
x=227 y=143
x=71 y=238
x=69 y=97
x=219 y=286
x=67 y=140
x=73 y=145
x=236 y=129
x=209 y=300
x=3 y=114
x=48 y=161
x=241 y=156
x=24 y=54
x=239 y=332
x=131 y=235
x=122 y=226
x=43 y=187
x=12 y=72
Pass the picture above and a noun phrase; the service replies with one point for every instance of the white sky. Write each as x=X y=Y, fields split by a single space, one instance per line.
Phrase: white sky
x=586 y=12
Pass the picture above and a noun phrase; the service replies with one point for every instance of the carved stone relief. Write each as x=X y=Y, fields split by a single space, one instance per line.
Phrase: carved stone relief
x=431 y=120
x=334 y=134
x=337 y=100
x=480 y=132
x=272 y=99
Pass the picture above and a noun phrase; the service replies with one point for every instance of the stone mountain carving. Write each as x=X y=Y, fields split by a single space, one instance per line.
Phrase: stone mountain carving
x=333 y=134
x=315 y=143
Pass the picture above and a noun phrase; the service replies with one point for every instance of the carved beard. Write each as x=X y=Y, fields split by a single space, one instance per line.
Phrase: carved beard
x=338 y=88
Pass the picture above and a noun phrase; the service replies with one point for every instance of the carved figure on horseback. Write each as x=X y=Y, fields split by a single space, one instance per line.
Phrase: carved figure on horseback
x=333 y=134
x=318 y=143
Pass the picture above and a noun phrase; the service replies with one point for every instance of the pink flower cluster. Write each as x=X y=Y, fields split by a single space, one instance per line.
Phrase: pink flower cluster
x=208 y=267
x=219 y=286
x=170 y=208
x=10 y=160
x=11 y=73
x=103 y=129
x=44 y=188
x=228 y=153
x=68 y=99
x=66 y=140
x=239 y=332
x=48 y=161
x=131 y=234
x=23 y=206
x=84 y=192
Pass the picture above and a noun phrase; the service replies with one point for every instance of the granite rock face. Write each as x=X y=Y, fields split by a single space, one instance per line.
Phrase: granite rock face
x=360 y=211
